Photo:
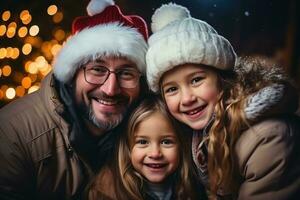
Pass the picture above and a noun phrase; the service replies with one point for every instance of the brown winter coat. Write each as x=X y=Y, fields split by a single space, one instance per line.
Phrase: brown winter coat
x=36 y=159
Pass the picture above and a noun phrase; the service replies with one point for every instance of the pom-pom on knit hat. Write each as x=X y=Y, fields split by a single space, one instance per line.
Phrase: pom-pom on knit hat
x=179 y=39
x=104 y=32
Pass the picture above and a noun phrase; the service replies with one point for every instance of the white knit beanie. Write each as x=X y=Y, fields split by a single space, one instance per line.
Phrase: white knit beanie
x=178 y=39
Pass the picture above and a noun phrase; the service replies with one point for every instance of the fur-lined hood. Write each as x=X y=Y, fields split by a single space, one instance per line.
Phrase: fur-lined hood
x=267 y=88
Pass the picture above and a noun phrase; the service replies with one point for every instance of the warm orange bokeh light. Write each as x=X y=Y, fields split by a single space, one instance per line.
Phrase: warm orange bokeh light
x=26 y=49
x=58 y=17
x=2 y=30
x=9 y=52
x=11 y=31
x=26 y=82
x=20 y=91
x=23 y=31
x=3 y=53
x=25 y=17
x=33 y=77
x=16 y=53
x=32 y=68
x=55 y=49
x=6 y=15
x=6 y=70
x=52 y=10
x=59 y=34
x=1 y=94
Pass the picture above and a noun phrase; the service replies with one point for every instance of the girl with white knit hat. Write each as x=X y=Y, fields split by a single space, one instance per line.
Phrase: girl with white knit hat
x=245 y=137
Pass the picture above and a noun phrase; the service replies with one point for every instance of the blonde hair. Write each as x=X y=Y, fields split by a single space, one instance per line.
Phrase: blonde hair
x=230 y=118
x=133 y=181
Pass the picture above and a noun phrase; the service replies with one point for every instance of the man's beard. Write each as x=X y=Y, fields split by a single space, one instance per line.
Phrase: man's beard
x=107 y=125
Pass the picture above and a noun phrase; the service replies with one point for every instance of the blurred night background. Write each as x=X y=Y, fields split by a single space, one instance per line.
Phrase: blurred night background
x=32 y=32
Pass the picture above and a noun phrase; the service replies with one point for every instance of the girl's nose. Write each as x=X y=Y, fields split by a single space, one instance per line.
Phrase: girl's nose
x=155 y=152
x=187 y=97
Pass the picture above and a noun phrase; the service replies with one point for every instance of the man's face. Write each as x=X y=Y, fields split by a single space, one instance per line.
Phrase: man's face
x=105 y=105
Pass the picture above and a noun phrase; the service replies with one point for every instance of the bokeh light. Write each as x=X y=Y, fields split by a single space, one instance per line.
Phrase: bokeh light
x=58 y=17
x=1 y=94
x=10 y=93
x=2 y=30
x=25 y=17
x=34 y=30
x=22 y=31
x=16 y=53
x=6 y=70
x=6 y=15
x=20 y=91
x=26 y=49
x=26 y=82
x=9 y=52
x=3 y=53
x=32 y=68
x=52 y=10
x=55 y=49
x=59 y=34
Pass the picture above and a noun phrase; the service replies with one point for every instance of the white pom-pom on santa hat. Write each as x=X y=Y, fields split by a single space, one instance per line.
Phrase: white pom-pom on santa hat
x=97 y=6
x=166 y=14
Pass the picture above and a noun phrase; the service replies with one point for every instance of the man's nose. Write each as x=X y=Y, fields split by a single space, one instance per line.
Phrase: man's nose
x=111 y=86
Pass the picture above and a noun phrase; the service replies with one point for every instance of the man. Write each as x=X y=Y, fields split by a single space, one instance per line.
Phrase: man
x=54 y=140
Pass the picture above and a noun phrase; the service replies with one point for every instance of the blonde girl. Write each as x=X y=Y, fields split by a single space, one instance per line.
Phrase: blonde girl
x=245 y=136
x=153 y=160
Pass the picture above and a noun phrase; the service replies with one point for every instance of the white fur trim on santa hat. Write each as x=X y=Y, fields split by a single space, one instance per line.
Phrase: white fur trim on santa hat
x=167 y=14
x=97 y=6
x=102 y=40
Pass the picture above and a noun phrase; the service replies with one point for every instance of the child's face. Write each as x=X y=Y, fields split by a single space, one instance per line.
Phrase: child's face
x=190 y=92
x=155 y=151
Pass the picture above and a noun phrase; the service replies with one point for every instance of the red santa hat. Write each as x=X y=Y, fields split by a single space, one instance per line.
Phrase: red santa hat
x=104 y=32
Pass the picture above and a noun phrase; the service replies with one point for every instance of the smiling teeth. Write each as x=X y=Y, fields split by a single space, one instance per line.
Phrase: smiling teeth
x=155 y=165
x=196 y=110
x=109 y=103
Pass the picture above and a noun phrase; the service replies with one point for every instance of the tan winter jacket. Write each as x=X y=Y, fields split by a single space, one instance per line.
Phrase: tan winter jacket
x=36 y=159
x=267 y=153
x=269 y=160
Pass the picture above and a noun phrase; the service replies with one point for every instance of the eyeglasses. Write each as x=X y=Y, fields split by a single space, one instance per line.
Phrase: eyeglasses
x=126 y=77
